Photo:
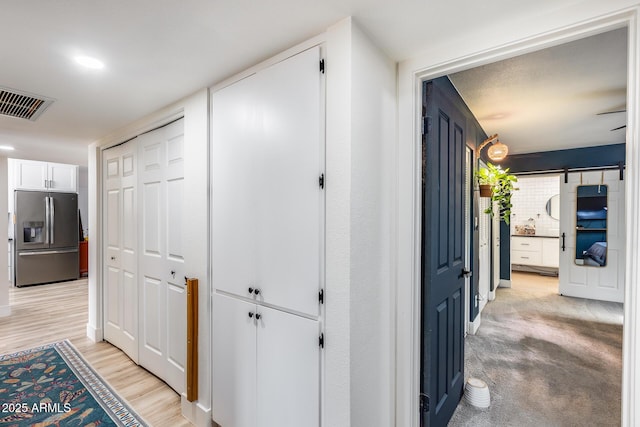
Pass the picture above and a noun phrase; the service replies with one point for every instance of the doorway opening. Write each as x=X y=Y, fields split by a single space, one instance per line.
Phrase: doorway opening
x=495 y=118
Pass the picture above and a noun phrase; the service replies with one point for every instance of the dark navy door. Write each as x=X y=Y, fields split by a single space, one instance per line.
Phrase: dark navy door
x=443 y=250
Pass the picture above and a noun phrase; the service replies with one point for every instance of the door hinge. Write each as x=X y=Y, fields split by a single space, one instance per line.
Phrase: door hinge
x=425 y=125
x=424 y=402
x=321 y=296
x=321 y=180
x=322 y=66
x=321 y=340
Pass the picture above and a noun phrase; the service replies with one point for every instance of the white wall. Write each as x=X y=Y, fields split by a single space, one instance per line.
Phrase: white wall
x=373 y=133
x=195 y=109
x=5 y=308
x=554 y=23
x=530 y=201
x=83 y=197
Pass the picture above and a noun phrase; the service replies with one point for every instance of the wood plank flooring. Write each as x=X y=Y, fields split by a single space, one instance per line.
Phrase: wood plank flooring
x=48 y=313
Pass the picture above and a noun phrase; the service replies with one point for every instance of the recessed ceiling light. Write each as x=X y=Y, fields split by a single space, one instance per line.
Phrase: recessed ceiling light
x=89 y=62
x=6 y=148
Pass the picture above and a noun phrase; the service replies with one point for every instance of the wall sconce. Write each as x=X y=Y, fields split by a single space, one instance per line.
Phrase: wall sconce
x=498 y=151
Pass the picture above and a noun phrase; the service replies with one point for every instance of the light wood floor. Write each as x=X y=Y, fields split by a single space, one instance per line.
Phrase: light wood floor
x=49 y=313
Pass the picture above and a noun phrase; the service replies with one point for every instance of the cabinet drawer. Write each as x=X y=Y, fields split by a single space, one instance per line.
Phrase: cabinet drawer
x=526 y=244
x=526 y=258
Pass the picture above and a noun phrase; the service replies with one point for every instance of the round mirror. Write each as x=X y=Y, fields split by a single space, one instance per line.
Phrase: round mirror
x=553 y=206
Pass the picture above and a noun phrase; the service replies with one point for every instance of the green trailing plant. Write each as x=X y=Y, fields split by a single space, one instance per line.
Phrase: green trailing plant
x=502 y=187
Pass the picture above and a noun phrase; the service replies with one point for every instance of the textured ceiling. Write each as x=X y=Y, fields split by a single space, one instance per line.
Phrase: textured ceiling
x=549 y=100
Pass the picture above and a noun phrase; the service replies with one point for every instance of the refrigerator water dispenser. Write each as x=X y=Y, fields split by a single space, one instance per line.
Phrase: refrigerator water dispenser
x=32 y=231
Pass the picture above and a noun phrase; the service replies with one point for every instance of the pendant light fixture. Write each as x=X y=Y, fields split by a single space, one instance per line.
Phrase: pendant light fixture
x=498 y=151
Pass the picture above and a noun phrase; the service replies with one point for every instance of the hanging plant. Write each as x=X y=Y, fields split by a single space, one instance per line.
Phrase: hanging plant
x=501 y=187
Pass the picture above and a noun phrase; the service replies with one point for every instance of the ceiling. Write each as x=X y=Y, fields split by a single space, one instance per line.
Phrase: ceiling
x=550 y=99
x=158 y=51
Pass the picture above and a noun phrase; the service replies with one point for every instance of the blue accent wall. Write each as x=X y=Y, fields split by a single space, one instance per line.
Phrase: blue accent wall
x=588 y=157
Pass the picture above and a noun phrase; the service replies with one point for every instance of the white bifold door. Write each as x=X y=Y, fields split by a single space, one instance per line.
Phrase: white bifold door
x=592 y=236
x=144 y=279
x=120 y=277
x=162 y=293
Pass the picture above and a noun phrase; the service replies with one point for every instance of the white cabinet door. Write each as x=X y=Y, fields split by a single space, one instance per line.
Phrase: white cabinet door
x=267 y=202
x=550 y=252
x=120 y=249
x=43 y=176
x=62 y=177
x=30 y=175
x=162 y=289
x=600 y=283
x=288 y=371
x=234 y=362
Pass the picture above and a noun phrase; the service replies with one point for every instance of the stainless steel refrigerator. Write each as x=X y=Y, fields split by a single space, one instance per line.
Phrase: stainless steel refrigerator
x=46 y=237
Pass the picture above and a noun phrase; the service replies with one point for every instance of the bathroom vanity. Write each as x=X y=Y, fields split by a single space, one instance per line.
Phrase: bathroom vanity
x=534 y=251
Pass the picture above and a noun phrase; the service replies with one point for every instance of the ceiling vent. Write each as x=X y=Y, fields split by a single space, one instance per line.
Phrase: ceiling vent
x=23 y=105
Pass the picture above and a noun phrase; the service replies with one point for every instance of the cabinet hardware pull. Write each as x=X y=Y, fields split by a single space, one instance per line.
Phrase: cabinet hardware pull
x=258 y=316
x=113 y=258
x=250 y=314
x=250 y=290
x=256 y=291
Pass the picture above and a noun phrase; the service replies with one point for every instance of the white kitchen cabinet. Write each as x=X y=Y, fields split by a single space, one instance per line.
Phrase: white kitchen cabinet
x=551 y=252
x=43 y=176
x=266 y=370
x=535 y=251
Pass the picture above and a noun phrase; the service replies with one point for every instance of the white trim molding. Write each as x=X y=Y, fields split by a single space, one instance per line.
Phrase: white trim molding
x=572 y=23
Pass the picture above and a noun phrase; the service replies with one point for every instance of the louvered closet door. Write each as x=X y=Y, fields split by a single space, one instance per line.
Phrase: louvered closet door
x=120 y=248
x=161 y=286
x=267 y=203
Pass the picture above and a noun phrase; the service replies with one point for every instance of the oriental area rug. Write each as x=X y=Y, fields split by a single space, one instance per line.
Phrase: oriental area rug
x=53 y=385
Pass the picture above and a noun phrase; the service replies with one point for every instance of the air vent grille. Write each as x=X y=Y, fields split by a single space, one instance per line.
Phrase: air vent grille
x=22 y=105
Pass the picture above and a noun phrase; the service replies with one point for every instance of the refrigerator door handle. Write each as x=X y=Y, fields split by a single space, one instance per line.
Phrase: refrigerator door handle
x=35 y=253
x=46 y=220
x=53 y=219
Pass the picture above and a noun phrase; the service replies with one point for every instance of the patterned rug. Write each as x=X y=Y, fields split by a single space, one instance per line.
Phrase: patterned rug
x=53 y=385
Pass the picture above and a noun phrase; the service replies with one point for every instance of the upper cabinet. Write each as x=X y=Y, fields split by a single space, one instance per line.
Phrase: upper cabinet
x=33 y=175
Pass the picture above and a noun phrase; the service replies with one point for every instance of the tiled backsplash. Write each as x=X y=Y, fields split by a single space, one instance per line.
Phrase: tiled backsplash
x=530 y=201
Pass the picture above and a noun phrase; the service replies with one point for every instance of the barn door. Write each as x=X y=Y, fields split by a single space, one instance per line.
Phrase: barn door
x=443 y=245
x=120 y=248
x=162 y=276
x=592 y=241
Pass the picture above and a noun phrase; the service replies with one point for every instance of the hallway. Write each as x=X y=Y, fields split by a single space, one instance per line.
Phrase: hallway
x=547 y=359
x=48 y=313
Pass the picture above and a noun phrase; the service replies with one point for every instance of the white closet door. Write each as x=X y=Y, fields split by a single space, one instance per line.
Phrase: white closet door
x=484 y=252
x=120 y=271
x=162 y=290
x=495 y=253
x=268 y=206
x=600 y=283
x=288 y=370
x=234 y=368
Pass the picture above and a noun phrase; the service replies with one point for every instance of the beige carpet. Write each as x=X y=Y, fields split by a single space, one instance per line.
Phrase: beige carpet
x=548 y=360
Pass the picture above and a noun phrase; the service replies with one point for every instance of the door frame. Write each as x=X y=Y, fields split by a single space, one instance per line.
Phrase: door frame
x=410 y=77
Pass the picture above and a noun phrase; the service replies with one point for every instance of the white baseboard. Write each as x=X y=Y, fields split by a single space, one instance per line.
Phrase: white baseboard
x=492 y=295
x=5 y=310
x=94 y=334
x=475 y=325
x=196 y=413
x=504 y=283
